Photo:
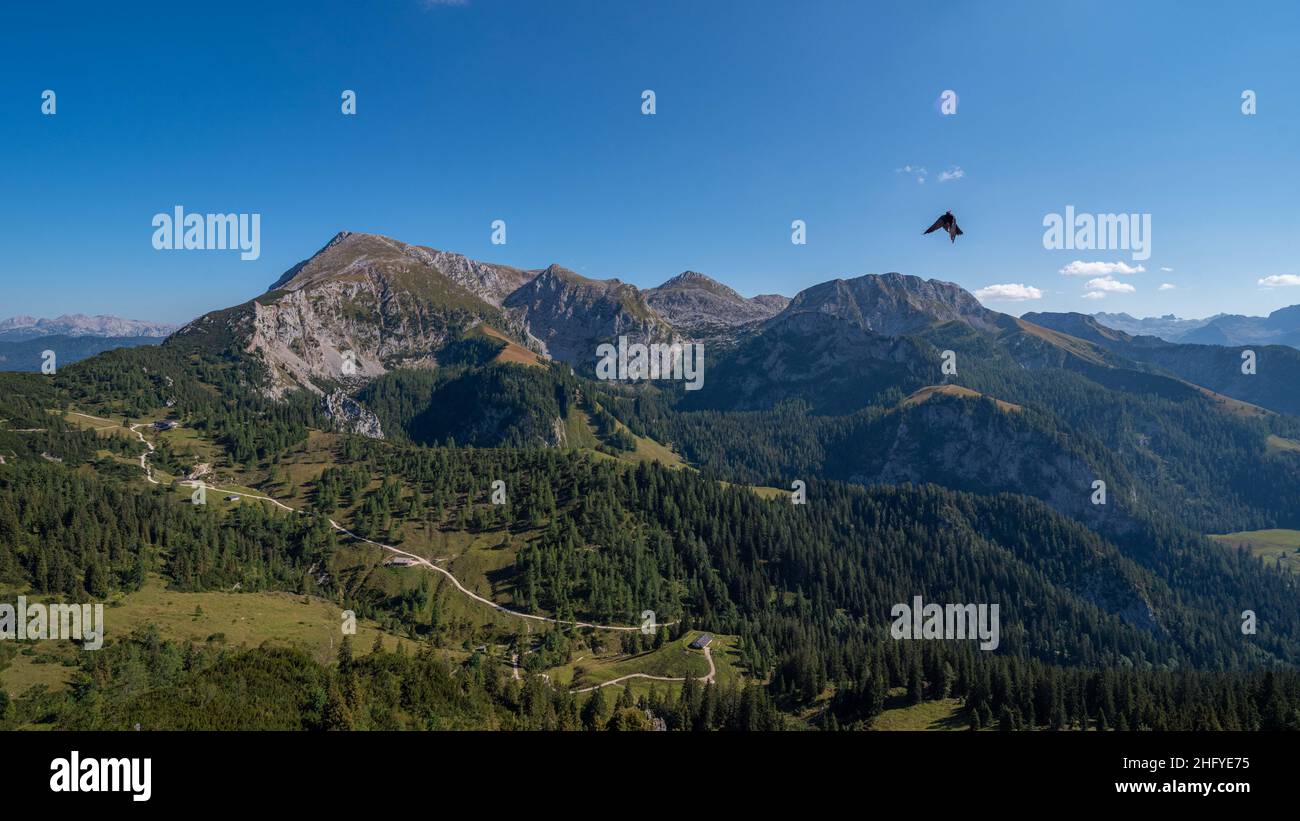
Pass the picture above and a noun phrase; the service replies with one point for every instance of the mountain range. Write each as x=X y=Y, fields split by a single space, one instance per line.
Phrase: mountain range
x=366 y=305
x=1281 y=327
x=388 y=305
x=21 y=328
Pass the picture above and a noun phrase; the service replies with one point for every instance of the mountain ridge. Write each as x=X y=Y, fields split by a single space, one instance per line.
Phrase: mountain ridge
x=366 y=304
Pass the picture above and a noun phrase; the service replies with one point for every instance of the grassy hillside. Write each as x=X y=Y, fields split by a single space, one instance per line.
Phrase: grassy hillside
x=229 y=619
x=1279 y=548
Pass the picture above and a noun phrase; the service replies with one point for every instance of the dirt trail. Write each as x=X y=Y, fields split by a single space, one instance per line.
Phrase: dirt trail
x=713 y=672
x=420 y=560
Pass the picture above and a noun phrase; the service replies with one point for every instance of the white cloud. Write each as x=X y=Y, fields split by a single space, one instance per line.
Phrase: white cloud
x=1095 y=295
x=916 y=171
x=1167 y=286
x=435 y=3
x=1167 y=270
x=954 y=173
x=1079 y=268
x=1109 y=285
x=1280 y=280
x=1009 y=292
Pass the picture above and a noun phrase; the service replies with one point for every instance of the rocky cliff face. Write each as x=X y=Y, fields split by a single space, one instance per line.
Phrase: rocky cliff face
x=350 y=415
x=365 y=304
x=492 y=283
x=773 y=302
x=571 y=315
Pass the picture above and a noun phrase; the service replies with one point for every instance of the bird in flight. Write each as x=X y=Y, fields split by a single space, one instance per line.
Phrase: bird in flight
x=948 y=223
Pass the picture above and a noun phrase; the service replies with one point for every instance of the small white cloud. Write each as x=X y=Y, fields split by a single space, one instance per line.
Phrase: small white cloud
x=954 y=173
x=1079 y=268
x=1280 y=280
x=1109 y=285
x=1167 y=286
x=916 y=171
x=1009 y=292
x=435 y=3
x=1095 y=295
x=1167 y=270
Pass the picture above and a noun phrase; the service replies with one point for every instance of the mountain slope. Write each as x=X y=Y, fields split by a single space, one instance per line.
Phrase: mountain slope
x=1217 y=368
x=361 y=306
x=490 y=282
x=570 y=314
x=848 y=343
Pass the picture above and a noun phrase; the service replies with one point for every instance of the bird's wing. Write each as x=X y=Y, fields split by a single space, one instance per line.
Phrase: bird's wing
x=956 y=230
x=937 y=225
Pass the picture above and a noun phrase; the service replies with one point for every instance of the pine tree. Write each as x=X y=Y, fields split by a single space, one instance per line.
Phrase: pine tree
x=595 y=712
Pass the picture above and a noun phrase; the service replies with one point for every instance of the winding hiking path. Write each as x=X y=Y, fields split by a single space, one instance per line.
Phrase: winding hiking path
x=420 y=560
x=708 y=654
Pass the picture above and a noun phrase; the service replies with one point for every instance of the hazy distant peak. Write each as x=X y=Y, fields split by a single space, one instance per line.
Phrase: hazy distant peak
x=103 y=325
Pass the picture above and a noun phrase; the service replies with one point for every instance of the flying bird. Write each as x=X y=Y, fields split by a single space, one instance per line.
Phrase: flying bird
x=948 y=223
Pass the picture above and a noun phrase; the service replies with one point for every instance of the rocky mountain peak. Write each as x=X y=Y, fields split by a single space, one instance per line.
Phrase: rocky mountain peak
x=703 y=307
x=892 y=304
x=693 y=279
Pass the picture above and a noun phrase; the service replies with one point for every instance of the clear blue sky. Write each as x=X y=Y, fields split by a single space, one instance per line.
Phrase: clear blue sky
x=766 y=112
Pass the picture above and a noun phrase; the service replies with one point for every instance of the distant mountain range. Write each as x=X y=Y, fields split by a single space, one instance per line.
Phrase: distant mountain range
x=72 y=337
x=20 y=328
x=1282 y=327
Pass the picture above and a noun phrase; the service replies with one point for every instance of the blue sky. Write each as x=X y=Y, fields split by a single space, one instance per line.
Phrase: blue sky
x=530 y=112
